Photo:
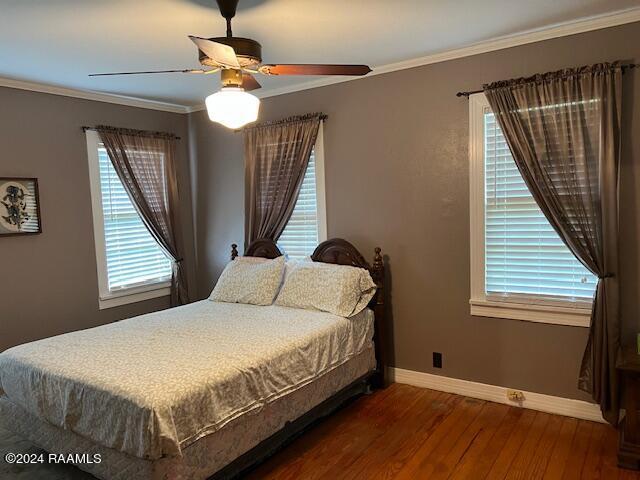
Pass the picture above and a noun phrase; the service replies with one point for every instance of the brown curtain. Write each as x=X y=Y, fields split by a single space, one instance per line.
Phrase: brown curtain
x=563 y=129
x=276 y=158
x=145 y=164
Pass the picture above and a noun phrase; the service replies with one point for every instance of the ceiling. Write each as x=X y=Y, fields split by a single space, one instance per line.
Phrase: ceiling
x=59 y=42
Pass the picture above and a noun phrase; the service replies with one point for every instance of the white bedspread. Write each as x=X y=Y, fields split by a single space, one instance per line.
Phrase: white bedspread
x=152 y=385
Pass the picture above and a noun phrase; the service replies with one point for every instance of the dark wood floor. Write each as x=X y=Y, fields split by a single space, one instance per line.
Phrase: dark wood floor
x=406 y=432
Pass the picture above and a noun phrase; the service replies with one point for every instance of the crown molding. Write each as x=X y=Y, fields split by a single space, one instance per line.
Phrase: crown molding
x=92 y=95
x=531 y=36
x=545 y=33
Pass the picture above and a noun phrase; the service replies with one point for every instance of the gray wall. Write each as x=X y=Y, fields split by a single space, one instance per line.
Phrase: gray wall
x=397 y=176
x=49 y=281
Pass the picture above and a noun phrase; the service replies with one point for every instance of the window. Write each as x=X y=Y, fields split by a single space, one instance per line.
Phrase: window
x=307 y=225
x=520 y=268
x=131 y=265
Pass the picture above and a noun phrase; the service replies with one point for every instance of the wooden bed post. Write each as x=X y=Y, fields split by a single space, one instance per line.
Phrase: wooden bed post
x=234 y=251
x=340 y=252
x=377 y=273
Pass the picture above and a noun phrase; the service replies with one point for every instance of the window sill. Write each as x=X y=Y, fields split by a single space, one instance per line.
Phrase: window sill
x=551 y=314
x=133 y=295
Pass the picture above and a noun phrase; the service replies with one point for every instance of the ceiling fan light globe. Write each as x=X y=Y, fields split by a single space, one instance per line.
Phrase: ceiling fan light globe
x=232 y=107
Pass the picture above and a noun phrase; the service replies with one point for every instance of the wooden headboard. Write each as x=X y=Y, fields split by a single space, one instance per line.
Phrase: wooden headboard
x=341 y=252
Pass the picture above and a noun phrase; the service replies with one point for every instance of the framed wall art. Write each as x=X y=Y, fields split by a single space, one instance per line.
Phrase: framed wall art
x=19 y=206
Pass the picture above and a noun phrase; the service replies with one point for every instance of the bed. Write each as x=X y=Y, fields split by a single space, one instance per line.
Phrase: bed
x=201 y=391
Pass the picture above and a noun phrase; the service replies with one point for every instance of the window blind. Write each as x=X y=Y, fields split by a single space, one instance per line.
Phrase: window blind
x=133 y=256
x=300 y=237
x=523 y=253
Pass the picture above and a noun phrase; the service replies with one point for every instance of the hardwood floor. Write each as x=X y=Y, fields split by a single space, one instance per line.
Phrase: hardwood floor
x=405 y=432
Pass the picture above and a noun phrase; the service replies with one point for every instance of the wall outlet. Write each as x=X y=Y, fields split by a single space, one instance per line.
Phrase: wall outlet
x=437 y=360
x=515 y=395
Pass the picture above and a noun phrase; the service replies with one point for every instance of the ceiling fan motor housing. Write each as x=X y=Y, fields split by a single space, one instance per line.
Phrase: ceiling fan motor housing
x=249 y=52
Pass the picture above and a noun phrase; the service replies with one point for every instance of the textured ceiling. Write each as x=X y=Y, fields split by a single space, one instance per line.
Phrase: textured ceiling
x=59 y=42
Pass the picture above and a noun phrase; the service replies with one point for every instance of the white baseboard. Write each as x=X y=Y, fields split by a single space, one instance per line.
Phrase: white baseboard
x=535 y=401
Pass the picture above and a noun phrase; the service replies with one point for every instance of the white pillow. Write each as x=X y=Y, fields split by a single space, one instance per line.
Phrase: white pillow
x=249 y=280
x=338 y=289
x=252 y=259
x=292 y=264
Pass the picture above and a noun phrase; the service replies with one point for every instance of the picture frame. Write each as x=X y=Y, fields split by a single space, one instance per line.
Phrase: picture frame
x=19 y=206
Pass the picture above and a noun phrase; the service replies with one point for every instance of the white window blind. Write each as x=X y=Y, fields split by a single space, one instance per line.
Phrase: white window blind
x=133 y=257
x=523 y=253
x=300 y=237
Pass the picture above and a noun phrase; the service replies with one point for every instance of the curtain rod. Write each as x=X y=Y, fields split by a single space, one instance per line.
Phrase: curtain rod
x=322 y=116
x=93 y=129
x=472 y=92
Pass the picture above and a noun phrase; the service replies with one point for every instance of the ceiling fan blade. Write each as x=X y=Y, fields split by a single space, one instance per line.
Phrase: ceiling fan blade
x=311 y=69
x=147 y=72
x=249 y=82
x=222 y=54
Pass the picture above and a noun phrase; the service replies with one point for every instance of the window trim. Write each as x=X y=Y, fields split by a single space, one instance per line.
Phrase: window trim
x=321 y=198
x=556 y=312
x=107 y=298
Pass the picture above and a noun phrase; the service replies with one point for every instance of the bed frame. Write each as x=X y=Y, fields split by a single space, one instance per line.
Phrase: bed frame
x=339 y=252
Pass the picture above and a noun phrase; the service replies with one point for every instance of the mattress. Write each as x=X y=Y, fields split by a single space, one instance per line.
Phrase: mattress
x=153 y=385
x=204 y=457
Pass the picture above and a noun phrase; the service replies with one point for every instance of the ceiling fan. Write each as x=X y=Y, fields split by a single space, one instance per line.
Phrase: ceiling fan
x=238 y=59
